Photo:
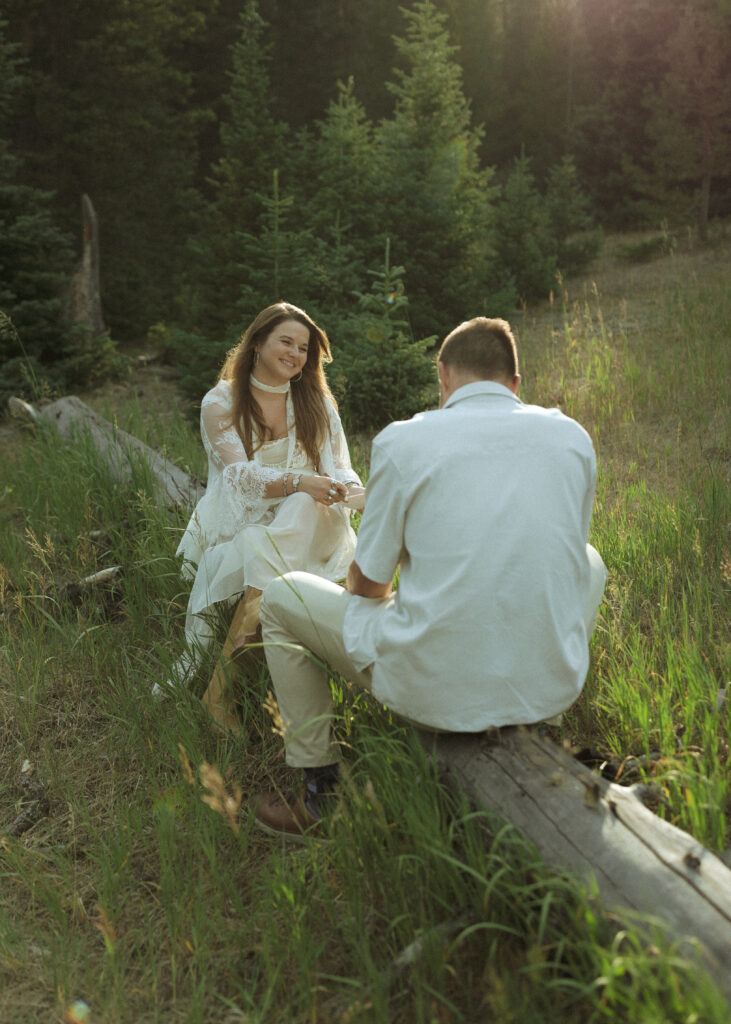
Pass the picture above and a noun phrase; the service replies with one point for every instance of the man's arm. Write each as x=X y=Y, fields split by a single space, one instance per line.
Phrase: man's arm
x=381 y=530
x=360 y=585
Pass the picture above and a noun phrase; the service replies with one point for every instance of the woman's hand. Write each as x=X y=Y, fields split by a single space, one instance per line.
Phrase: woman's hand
x=323 y=489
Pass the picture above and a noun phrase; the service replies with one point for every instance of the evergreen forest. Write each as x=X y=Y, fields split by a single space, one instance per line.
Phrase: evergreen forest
x=392 y=169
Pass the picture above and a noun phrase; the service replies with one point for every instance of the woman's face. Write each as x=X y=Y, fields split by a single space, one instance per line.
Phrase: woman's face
x=283 y=354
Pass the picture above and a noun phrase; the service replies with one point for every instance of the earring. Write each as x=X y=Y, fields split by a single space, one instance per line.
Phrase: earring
x=256 y=357
x=296 y=380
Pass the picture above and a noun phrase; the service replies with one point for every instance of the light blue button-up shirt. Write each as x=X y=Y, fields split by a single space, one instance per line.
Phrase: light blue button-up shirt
x=485 y=506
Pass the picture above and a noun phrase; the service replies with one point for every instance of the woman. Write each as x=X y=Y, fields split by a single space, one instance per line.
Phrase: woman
x=279 y=484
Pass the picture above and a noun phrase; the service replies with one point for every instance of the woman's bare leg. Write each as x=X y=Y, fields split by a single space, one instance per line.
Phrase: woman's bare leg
x=246 y=628
x=219 y=697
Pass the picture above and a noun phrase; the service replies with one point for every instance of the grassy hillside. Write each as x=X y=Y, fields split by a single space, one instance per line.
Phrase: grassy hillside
x=146 y=892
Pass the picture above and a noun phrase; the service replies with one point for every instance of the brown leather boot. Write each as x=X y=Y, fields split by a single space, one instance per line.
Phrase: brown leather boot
x=288 y=819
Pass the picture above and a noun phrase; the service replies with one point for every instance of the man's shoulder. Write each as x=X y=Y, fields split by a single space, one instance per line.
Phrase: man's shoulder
x=402 y=432
x=555 y=419
x=437 y=428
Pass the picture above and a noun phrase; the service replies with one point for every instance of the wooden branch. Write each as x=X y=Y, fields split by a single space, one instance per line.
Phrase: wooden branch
x=21 y=409
x=597 y=829
x=105 y=578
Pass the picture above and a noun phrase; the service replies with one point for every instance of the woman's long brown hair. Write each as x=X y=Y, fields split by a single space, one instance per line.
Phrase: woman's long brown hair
x=310 y=394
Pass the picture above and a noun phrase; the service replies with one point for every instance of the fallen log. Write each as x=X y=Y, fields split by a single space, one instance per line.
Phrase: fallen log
x=579 y=821
x=120 y=450
x=598 y=830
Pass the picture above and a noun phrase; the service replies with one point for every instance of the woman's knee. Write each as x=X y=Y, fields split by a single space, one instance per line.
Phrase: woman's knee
x=301 y=502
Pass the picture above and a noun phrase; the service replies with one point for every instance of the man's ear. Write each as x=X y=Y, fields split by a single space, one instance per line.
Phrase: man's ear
x=515 y=384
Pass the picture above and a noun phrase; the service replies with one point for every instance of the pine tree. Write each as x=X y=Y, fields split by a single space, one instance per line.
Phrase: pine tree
x=524 y=243
x=335 y=173
x=253 y=147
x=323 y=41
x=105 y=111
x=35 y=255
x=345 y=171
x=438 y=208
x=252 y=138
x=626 y=41
x=276 y=263
x=692 y=104
x=380 y=371
x=538 y=60
x=272 y=262
x=569 y=219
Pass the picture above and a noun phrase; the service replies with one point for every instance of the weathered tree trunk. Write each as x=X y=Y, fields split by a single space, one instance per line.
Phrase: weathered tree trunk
x=596 y=829
x=119 y=449
x=84 y=298
x=579 y=821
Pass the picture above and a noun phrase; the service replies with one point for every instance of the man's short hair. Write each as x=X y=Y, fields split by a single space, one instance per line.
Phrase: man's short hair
x=483 y=347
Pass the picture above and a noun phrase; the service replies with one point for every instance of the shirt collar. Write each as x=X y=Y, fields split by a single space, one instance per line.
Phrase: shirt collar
x=480 y=387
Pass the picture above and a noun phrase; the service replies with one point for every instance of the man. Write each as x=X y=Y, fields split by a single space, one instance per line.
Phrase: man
x=485 y=506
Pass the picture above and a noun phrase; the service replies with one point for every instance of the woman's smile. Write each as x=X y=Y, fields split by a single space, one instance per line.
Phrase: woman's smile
x=283 y=354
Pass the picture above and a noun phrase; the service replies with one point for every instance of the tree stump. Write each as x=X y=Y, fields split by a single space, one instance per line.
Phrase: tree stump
x=84 y=297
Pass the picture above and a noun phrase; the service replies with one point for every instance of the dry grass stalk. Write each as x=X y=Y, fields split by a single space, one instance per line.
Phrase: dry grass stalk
x=218 y=797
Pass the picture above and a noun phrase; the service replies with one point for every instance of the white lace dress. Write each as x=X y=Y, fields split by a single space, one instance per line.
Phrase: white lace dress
x=237 y=537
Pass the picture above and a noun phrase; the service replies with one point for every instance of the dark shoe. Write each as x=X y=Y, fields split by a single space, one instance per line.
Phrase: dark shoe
x=288 y=819
x=319 y=794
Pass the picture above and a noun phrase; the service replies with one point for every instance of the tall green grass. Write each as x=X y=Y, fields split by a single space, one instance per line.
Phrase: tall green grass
x=147 y=892
x=655 y=403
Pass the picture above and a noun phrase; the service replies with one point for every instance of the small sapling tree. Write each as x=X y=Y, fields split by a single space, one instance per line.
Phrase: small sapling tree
x=380 y=372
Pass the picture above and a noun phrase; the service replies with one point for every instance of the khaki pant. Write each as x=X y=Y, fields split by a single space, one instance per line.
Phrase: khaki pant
x=302 y=627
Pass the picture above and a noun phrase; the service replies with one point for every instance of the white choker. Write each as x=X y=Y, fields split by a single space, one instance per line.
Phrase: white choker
x=277 y=389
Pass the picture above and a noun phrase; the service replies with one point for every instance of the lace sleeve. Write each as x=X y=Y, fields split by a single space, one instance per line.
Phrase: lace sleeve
x=244 y=478
x=341 y=456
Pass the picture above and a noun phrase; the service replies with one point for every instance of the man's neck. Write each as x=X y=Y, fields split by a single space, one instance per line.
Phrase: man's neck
x=452 y=381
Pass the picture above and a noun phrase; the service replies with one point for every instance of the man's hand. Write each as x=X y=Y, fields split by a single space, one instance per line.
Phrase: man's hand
x=359 y=584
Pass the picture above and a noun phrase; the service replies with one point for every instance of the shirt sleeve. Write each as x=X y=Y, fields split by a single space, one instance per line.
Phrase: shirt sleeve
x=243 y=478
x=381 y=532
x=344 y=471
